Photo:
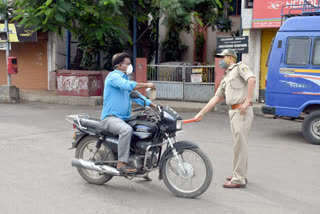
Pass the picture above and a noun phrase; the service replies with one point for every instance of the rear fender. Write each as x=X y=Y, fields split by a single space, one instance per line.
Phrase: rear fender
x=79 y=137
x=179 y=146
x=82 y=135
x=112 y=146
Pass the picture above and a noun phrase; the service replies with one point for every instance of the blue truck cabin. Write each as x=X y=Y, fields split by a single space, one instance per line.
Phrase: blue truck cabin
x=293 y=81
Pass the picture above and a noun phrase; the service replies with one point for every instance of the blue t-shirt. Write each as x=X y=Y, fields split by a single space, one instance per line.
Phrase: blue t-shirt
x=116 y=99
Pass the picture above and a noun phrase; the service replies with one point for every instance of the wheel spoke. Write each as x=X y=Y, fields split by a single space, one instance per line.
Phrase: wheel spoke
x=87 y=153
x=195 y=174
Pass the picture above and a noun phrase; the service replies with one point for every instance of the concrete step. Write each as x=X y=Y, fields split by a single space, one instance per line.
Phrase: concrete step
x=52 y=97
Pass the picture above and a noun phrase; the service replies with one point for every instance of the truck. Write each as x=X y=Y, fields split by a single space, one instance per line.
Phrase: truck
x=293 y=78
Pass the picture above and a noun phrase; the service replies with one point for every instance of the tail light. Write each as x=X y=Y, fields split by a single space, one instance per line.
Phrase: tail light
x=74 y=126
x=265 y=83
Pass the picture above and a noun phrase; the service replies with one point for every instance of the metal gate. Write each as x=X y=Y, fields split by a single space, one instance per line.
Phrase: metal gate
x=181 y=82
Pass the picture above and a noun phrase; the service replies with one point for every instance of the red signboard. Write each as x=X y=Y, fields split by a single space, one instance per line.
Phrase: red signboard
x=267 y=13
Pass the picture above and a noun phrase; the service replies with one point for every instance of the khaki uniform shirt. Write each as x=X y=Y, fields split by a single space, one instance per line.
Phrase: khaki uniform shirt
x=234 y=84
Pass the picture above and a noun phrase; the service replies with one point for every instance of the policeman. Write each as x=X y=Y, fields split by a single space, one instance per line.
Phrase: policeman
x=236 y=87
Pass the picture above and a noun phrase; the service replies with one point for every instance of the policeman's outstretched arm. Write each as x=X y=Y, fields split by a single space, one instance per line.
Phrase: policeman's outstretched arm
x=212 y=103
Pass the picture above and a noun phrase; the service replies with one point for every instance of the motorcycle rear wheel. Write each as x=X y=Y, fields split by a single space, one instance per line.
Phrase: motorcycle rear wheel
x=85 y=150
x=191 y=158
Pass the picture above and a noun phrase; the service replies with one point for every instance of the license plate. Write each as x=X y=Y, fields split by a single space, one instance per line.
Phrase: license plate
x=179 y=133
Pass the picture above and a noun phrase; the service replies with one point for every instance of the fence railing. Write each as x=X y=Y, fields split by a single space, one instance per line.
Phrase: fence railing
x=180 y=73
x=182 y=82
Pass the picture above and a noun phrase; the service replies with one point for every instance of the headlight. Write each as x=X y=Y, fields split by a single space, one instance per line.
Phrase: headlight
x=179 y=124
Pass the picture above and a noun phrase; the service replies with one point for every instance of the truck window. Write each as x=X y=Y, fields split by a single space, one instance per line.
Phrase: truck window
x=298 y=51
x=270 y=50
x=316 y=52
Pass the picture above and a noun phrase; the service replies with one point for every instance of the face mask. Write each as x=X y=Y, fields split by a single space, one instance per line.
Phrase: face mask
x=129 y=70
x=223 y=64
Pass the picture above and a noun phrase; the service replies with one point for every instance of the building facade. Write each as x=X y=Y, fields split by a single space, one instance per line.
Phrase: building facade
x=37 y=62
x=189 y=39
x=261 y=19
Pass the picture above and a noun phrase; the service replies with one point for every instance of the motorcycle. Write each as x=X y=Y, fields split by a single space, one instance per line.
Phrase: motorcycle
x=184 y=168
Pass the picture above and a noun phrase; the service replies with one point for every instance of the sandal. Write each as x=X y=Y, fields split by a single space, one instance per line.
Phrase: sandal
x=147 y=178
x=127 y=170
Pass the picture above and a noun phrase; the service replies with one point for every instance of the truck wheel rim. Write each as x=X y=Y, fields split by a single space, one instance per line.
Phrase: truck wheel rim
x=315 y=128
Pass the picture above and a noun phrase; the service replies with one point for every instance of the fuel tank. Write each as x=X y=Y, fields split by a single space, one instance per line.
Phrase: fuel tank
x=142 y=129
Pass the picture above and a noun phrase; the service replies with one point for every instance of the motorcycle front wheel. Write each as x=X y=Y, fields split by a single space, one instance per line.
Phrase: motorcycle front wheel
x=191 y=181
x=86 y=150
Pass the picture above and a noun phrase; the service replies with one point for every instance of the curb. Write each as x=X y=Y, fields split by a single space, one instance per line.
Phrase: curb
x=50 y=97
x=180 y=106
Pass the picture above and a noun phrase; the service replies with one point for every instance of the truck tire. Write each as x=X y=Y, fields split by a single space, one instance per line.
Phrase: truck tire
x=311 y=127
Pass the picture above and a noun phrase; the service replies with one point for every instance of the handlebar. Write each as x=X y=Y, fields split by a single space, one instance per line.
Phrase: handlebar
x=138 y=109
x=153 y=112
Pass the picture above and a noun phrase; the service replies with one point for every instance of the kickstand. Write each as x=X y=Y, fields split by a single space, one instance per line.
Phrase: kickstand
x=128 y=177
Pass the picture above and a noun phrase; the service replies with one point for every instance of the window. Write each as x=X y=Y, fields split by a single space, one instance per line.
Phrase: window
x=269 y=54
x=249 y=3
x=298 y=51
x=236 y=5
x=316 y=52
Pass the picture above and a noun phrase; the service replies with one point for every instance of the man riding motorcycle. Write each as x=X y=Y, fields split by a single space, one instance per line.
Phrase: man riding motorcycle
x=117 y=107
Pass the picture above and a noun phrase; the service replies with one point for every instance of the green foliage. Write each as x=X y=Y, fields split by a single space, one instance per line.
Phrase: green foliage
x=5 y=10
x=223 y=25
x=180 y=16
x=199 y=47
x=93 y=23
x=101 y=26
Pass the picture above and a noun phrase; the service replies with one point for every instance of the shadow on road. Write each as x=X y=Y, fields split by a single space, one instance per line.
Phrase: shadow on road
x=279 y=199
x=150 y=197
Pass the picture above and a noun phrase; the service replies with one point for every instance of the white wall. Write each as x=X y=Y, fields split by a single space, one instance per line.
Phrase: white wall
x=51 y=60
x=246 y=16
x=162 y=35
x=56 y=53
x=187 y=39
x=61 y=51
x=211 y=45
x=252 y=59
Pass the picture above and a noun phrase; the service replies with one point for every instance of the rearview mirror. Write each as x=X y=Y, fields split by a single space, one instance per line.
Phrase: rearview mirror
x=134 y=95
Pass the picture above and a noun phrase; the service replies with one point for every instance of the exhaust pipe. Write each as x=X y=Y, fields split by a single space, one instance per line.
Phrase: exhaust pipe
x=90 y=165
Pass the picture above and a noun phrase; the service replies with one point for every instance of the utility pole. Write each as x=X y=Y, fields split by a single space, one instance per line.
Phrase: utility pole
x=68 y=50
x=134 y=36
x=7 y=46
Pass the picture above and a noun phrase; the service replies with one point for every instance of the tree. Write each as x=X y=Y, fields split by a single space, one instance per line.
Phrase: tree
x=181 y=15
x=94 y=23
x=102 y=26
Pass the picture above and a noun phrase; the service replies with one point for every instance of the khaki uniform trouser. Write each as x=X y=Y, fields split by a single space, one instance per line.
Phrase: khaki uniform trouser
x=240 y=127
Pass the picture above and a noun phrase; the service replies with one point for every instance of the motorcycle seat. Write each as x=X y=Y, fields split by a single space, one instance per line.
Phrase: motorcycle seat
x=94 y=123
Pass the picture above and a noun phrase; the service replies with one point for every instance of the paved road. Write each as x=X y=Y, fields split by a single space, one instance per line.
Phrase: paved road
x=36 y=175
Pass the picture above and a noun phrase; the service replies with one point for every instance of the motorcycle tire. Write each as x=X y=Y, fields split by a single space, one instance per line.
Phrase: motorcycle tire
x=103 y=178
x=203 y=187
